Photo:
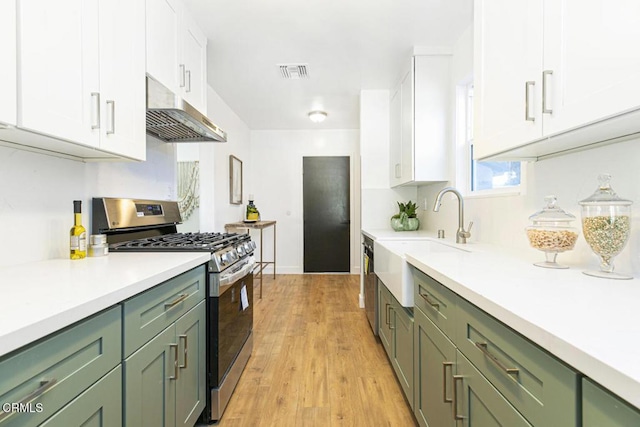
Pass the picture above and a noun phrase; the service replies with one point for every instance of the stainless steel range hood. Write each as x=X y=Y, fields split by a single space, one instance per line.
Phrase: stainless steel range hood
x=172 y=119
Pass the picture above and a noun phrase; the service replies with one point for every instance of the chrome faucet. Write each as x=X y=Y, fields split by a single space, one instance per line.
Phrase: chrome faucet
x=461 y=234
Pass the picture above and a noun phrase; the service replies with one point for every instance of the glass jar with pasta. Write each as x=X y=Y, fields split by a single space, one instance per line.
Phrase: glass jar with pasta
x=606 y=225
x=552 y=233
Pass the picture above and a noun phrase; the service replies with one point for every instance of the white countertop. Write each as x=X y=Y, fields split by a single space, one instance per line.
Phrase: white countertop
x=390 y=234
x=41 y=298
x=591 y=324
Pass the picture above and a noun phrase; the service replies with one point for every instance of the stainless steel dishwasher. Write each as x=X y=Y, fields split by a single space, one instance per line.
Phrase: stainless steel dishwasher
x=370 y=284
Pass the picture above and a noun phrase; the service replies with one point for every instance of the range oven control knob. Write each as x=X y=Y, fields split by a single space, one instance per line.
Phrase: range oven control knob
x=224 y=259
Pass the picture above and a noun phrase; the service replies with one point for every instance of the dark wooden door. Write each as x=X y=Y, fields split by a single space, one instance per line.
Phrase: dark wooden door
x=326 y=205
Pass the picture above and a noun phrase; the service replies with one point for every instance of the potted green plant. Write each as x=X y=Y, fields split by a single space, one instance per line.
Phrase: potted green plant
x=405 y=219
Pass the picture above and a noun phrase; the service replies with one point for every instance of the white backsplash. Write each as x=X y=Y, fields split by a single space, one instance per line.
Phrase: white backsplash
x=572 y=177
x=36 y=194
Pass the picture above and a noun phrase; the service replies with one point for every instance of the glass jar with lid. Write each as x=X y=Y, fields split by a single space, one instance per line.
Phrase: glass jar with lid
x=606 y=226
x=551 y=232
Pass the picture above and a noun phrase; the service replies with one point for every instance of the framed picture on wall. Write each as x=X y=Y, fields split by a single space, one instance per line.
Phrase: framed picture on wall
x=235 y=180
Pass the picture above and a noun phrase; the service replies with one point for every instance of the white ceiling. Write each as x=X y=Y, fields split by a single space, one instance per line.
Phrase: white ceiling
x=349 y=45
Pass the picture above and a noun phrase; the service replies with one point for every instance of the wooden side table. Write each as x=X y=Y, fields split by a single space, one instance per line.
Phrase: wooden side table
x=258 y=225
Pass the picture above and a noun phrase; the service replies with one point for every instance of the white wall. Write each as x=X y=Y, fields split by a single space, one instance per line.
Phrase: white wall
x=572 y=177
x=275 y=177
x=215 y=209
x=36 y=190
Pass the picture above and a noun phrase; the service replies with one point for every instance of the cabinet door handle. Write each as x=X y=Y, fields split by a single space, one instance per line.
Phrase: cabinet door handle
x=483 y=348
x=42 y=387
x=545 y=74
x=111 y=118
x=456 y=416
x=390 y=325
x=95 y=110
x=188 y=81
x=445 y=365
x=184 y=352
x=430 y=302
x=386 y=314
x=527 y=102
x=398 y=172
x=175 y=361
x=182 y=71
x=176 y=301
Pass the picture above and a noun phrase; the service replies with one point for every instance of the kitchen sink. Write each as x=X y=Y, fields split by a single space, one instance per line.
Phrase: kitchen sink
x=392 y=269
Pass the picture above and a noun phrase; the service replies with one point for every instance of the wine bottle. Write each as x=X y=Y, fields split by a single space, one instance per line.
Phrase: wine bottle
x=78 y=233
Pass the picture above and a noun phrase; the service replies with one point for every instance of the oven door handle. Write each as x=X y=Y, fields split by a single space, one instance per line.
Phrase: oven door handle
x=229 y=278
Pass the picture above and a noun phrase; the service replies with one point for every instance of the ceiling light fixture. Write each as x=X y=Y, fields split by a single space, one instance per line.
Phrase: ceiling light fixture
x=317 y=116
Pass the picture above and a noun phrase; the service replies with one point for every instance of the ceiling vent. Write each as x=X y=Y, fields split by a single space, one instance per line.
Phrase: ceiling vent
x=294 y=71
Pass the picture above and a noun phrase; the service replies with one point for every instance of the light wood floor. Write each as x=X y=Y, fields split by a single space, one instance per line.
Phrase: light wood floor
x=315 y=360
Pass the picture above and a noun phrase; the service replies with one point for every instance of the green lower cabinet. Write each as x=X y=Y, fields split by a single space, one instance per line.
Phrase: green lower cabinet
x=477 y=403
x=149 y=381
x=98 y=406
x=51 y=373
x=435 y=357
x=191 y=388
x=385 y=304
x=396 y=333
x=403 y=350
x=164 y=379
x=601 y=408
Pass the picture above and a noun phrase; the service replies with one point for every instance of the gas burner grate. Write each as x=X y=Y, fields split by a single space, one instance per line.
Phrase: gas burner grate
x=181 y=242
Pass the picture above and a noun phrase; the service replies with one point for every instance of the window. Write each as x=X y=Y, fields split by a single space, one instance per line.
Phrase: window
x=483 y=177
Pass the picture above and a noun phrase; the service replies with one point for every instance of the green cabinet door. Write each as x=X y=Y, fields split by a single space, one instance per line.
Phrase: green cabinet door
x=601 y=408
x=403 y=349
x=477 y=403
x=191 y=382
x=385 y=314
x=149 y=379
x=435 y=357
x=99 y=406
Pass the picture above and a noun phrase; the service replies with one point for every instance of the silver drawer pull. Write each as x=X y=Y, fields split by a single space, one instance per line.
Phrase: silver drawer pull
x=545 y=73
x=483 y=348
x=111 y=118
x=176 y=301
x=182 y=71
x=175 y=361
x=95 y=110
x=527 y=103
x=445 y=365
x=44 y=386
x=456 y=416
x=430 y=301
x=184 y=352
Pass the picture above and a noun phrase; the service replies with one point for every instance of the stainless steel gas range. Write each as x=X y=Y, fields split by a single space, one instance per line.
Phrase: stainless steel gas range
x=151 y=226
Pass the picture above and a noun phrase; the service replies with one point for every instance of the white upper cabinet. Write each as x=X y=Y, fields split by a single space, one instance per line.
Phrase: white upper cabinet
x=177 y=51
x=122 y=77
x=59 y=69
x=395 y=137
x=507 y=67
x=556 y=76
x=8 y=63
x=163 y=25
x=194 y=57
x=80 y=78
x=419 y=109
x=593 y=49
